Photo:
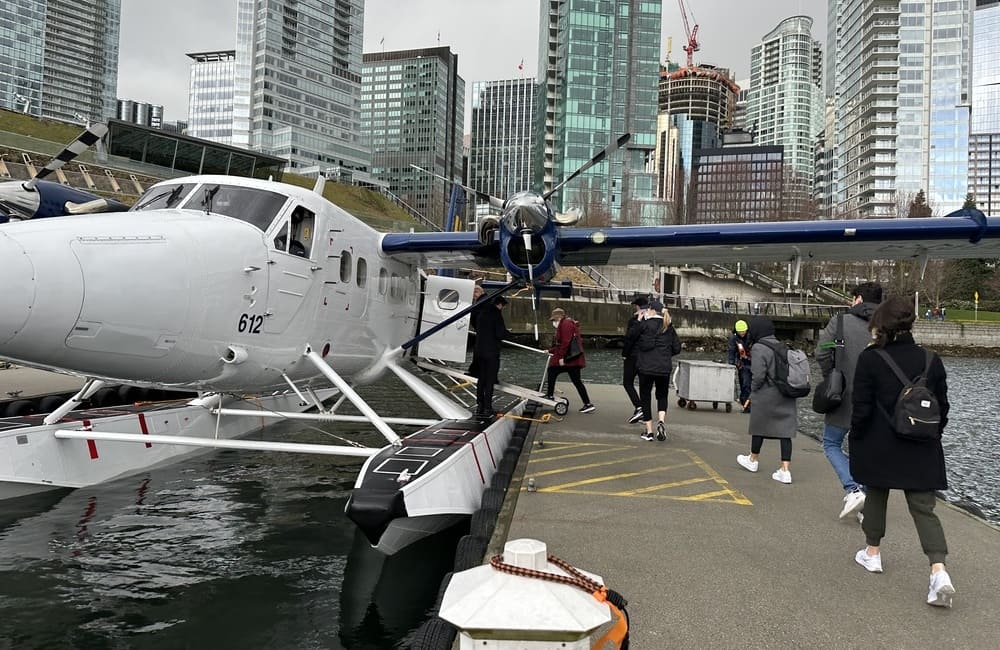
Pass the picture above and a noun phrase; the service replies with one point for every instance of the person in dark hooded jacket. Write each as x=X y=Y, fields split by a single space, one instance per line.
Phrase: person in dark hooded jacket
x=773 y=414
x=867 y=297
x=882 y=460
x=658 y=343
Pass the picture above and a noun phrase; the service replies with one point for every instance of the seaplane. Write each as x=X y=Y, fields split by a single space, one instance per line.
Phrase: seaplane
x=266 y=301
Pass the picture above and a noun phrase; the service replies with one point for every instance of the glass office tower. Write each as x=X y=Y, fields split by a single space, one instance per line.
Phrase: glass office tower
x=500 y=146
x=598 y=68
x=210 y=98
x=414 y=104
x=298 y=82
x=984 y=141
x=59 y=58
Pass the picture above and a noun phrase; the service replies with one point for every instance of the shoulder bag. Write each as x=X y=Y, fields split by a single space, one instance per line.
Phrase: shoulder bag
x=829 y=393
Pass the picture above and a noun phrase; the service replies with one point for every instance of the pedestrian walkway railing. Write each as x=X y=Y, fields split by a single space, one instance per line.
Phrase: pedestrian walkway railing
x=410 y=210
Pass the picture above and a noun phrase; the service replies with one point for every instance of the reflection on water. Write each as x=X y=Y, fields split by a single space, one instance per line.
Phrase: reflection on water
x=234 y=549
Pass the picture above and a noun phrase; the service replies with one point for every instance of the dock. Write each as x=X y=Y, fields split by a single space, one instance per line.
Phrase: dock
x=709 y=555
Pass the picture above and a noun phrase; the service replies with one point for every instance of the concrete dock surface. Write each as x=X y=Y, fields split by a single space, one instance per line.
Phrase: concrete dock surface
x=710 y=555
x=29 y=382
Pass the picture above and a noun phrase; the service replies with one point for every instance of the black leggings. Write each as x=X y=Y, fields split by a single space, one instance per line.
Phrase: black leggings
x=756 y=442
x=646 y=383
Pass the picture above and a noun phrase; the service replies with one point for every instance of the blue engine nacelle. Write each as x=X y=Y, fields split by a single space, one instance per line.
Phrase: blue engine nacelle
x=529 y=238
x=47 y=199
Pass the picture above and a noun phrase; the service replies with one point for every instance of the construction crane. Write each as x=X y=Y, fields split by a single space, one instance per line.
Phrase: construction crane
x=692 y=34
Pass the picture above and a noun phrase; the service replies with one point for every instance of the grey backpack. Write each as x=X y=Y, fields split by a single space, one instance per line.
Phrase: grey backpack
x=791 y=370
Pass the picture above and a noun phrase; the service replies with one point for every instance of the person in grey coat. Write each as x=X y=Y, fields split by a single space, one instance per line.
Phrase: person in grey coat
x=866 y=297
x=773 y=414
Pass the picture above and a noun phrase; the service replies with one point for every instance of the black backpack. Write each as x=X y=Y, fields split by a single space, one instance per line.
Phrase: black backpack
x=916 y=414
x=791 y=370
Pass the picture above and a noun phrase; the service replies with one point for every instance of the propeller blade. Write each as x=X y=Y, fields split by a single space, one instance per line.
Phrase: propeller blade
x=531 y=279
x=494 y=201
x=610 y=149
x=83 y=142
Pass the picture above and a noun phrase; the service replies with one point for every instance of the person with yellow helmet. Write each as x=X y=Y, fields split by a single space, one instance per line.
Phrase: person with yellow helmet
x=739 y=356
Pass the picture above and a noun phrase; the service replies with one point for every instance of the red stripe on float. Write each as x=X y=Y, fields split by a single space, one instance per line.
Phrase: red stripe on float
x=144 y=428
x=91 y=445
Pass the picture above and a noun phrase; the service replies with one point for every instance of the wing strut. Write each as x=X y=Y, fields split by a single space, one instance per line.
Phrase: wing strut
x=349 y=393
x=88 y=389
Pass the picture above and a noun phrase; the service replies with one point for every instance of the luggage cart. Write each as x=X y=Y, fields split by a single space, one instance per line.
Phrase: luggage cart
x=705 y=381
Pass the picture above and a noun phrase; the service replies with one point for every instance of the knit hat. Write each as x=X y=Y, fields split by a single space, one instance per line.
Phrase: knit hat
x=741 y=326
x=557 y=313
x=655 y=305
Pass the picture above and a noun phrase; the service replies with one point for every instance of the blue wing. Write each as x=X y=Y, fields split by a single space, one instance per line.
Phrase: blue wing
x=964 y=234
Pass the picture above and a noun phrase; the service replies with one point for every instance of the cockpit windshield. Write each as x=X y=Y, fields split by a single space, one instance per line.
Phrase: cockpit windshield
x=257 y=207
x=163 y=196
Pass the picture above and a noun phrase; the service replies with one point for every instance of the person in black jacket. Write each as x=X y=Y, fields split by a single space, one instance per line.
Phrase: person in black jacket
x=881 y=460
x=630 y=355
x=490 y=331
x=658 y=343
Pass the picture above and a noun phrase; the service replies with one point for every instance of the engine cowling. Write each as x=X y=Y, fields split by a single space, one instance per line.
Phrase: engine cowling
x=529 y=238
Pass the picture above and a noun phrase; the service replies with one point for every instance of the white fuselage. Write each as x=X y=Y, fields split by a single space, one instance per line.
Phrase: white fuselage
x=188 y=298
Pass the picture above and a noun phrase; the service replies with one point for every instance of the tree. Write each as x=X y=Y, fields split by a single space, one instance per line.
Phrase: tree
x=919 y=206
x=970 y=202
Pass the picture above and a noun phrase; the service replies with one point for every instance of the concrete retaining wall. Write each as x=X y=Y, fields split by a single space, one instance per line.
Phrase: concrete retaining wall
x=945 y=334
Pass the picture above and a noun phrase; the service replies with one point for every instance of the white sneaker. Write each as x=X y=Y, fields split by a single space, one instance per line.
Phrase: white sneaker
x=853 y=502
x=872 y=563
x=782 y=476
x=748 y=465
x=941 y=590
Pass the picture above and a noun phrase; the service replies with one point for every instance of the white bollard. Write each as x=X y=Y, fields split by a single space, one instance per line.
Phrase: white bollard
x=494 y=610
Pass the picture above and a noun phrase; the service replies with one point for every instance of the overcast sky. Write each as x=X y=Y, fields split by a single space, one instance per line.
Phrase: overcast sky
x=491 y=37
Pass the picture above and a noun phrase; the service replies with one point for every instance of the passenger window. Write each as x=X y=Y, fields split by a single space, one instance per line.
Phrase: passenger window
x=383 y=281
x=345 y=266
x=397 y=290
x=362 y=275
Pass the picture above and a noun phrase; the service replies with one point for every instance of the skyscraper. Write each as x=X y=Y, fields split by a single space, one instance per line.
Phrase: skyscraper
x=413 y=114
x=210 y=98
x=696 y=106
x=298 y=82
x=902 y=79
x=785 y=100
x=984 y=141
x=500 y=147
x=59 y=58
x=597 y=76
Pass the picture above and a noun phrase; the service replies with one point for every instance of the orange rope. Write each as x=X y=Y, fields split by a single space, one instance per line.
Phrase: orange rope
x=617 y=634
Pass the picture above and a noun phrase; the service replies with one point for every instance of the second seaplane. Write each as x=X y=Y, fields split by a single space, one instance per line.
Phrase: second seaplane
x=267 y=301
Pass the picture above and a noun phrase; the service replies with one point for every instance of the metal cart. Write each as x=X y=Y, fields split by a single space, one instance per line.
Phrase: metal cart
x=705 y=381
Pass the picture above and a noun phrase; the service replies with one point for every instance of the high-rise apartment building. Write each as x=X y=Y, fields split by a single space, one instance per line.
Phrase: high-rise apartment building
x=695 y=108
x=741 y=183
x=59 y=58
x=298 y=82
x=785 y=100
x=598 y=65
x=210 y=97
x=984 y=139
x=142 y=113
x=901 y=76
x=413 y=114
x=501 y=138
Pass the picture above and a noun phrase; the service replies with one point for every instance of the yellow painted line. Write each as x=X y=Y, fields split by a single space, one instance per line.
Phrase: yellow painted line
x=604 y=479
x=617 y=461
x=581 y=454
x=736 y=497
x=662 y=486
x=552 y=447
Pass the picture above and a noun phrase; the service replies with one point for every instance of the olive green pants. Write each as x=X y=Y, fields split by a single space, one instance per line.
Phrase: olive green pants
x=921 y=504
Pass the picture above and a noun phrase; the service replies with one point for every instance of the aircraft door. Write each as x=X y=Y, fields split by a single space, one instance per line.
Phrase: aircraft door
x=443 y=298
x=291 y=269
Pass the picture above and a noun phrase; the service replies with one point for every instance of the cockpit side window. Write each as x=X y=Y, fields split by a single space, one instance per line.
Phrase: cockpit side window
x=256 y=207
x=297 y=233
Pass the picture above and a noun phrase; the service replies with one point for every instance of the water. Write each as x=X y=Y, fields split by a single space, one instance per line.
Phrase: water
x=233 y=549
